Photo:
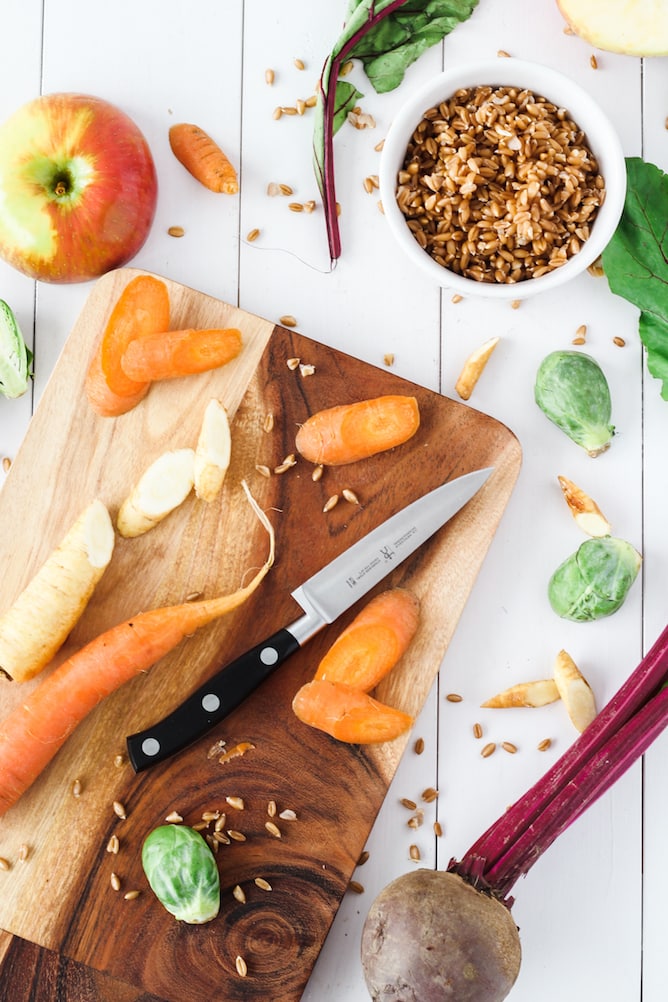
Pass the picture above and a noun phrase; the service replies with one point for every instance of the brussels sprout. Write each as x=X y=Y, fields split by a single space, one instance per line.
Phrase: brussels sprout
x=15 y=357
x=572 y=391
x=182 y=872
x=594 y=581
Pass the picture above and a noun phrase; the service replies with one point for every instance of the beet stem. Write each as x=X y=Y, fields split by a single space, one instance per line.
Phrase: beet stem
x=615 y=739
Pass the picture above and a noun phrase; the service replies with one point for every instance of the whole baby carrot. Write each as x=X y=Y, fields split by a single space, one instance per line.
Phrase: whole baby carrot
x=203 y=158
x=142 y=308
x=350 y=432
x=371 y=645
x=168 y=354
x=39 y=726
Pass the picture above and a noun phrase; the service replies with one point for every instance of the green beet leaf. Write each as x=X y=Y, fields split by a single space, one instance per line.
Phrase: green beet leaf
x=182 y=872
x=387 y=36
x=636 y=260
x=594 y=581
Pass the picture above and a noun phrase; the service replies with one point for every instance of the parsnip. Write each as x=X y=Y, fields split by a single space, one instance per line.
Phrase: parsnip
x=584 y=509
x=163 y=486
x=576 y=693
x=213 y=451
x=36 y=625
x=538 y=693
x=473 y=368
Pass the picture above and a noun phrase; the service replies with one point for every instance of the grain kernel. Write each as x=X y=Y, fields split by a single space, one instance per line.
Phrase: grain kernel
x=454 y=697
x=410 y=805
x=119 y=810
x=488 y=750
x=252 y=235
x=414 y=853
x=356 y=887
x=418 y=747
x=544 y=744
x=6 y=464
x=131 y=895
x=287 y=320
x=115 y=882
x=299 y=64
x=269 y=76
x=263 y=884
x=241 y=966
x=176 y=231
x=331 y=503
x=4 y=863
x=477 y=730
x=509 y=747
x=273 y=829
x=438 y=829
x=593 y=62
x=619 y=341
x=239 y=894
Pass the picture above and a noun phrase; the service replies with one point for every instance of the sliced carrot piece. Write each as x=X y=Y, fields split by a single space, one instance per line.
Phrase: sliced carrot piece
x=348 y=714
x=203 y=158
x=373 y=643
x=350 y=432
x=168 y=354
x=142 y=308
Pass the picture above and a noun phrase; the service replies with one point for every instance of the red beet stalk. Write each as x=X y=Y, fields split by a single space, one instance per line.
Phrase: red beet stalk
x=616 y=738
x=328 y=90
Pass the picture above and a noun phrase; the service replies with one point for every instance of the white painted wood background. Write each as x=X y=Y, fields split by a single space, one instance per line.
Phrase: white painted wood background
x=591 y=911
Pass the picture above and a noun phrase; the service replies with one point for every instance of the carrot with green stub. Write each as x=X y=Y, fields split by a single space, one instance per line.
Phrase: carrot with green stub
x=39 y=726
x=203 y=158
x=142 y=308
x=347 y=433
x=367 y=650
x=170 y=354
x=348 y=714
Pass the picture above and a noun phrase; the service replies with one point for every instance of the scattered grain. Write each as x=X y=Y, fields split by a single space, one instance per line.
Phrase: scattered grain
x=273 y=189
x=273 y=829
x=6 y=464
x=356 y=887
x=241 y=966
x=288 y=109
x=287 y=320
x=379 y=146
x=264 y=471
x=252 y=235
x=176 y=231
x=119 y=810
x=215 y=749
x=509 y=747
x=349 y=496
x=287 y=464
x=200 y=826
x=236 y=802
x=410 y=805
x=417 y=820
x=516 y=303
x=331 y=502
x=368 y=186
x=311 y=100
x=286 y=189
x=477 y=730
x=388 y=359
x=306 y=369
x=593 y=62
x=310 y=205
x=418 y=747
x=173 y=818
x=300 y=105
x=456 y=298
x=619 y=341
x=219 y=823
x=76 y=788
x=272 y=809
x=438 y=829
x=4 y=863
x=414 y=853
x=296 y=206
x=596 y=268
x=239 y=894
x=24 y=852
x=361 y=120
x=222 y=838
x=454 y=697
x=380 y=208
x=115 y=882
x=243 y=746
x=581 y=331
x=209 y=816
x=299 y=64
x=429 y=795
x=288 y=815
x=113 y=845
x=488 y=750
x=234 y=834
x=292 y=363
x=131 y=895
x=269 y=76
x=277 y=113
x=263 y=884
x=317 y=472
x=364 y=858
x=578 y=340
x=503 y=54
x=544 y=744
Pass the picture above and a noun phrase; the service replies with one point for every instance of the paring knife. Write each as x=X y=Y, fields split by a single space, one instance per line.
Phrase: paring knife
x=324 y=597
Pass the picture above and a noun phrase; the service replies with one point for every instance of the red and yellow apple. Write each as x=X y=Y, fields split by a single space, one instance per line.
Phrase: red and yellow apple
x=78 y=188
x=632 y=27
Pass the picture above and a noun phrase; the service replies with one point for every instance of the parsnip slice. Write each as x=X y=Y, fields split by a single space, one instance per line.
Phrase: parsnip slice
x=584 y=509
x=576 y=693
x=538 y=693
x=36 y=625
x=163 y=486
x=473 y=368
x=213 y=451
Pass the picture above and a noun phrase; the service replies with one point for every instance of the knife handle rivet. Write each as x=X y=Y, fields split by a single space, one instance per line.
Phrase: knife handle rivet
x=210 y=702
x=268 y=655
x=150 y=746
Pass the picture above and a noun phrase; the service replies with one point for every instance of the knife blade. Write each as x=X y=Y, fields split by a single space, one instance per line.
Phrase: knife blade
x=323 y=598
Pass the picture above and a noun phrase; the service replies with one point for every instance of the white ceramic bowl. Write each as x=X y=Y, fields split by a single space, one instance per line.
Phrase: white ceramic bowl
x=561 y=91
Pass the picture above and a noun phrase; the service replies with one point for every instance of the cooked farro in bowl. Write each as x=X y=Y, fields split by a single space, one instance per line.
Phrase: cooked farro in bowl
x=502 y=178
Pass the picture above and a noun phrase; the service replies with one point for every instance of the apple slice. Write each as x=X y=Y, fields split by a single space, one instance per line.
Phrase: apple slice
x=631 y=27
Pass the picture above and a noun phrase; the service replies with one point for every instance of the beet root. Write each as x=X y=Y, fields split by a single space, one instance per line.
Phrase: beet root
x=430 y=936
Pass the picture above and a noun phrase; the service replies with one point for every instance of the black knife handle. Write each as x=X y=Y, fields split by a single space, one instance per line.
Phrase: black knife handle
x=209 y=704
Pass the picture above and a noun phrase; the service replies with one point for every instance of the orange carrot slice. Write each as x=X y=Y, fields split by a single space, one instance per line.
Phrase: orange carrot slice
x=203 y=158
x=142 y=308
x=169 y=354
x=348 y=714
x=373 y=643
x=350 y=432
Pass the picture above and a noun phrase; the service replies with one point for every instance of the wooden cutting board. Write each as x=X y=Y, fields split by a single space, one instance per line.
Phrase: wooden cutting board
x=61 y=897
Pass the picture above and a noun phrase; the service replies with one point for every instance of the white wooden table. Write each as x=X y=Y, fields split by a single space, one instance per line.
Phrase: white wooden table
x=591 y=911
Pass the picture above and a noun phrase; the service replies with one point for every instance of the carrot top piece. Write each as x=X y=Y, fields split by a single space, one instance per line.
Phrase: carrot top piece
x=170 y=354
x=203 y=158
x=348 y=714
x=142 y=308
x=350 y=432
x=368 y=649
